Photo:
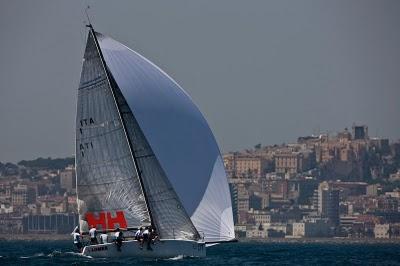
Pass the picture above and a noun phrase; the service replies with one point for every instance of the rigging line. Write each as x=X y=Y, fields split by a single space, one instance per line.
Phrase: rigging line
x=82 y=35
x=76 y=168
x=85 y=24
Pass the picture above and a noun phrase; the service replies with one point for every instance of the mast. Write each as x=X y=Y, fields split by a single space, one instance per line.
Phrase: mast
x=134 y=158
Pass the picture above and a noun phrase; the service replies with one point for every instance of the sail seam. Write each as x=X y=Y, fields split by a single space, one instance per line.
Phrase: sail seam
x=95 y=82
x=145 y=156
x=98 y=135
x=104 y=183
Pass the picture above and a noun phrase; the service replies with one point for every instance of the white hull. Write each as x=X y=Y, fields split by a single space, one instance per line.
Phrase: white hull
x=165 y=248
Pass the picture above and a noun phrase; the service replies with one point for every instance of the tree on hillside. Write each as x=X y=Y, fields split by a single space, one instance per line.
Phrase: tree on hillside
x=48 y=163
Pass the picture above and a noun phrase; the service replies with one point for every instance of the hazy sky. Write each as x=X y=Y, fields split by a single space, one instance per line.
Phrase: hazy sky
x=260 y=71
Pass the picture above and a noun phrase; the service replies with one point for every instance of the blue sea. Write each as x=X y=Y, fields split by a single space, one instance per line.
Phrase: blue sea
x=63 y=253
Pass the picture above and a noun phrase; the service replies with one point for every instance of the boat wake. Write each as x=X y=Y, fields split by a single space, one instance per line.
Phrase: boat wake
x=179 y=257
x=78 y=254
x=55 y=253
x=33 y=256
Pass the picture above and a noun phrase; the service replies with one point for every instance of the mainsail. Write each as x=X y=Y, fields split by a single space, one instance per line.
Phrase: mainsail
x=178 y=136
x=108 y=188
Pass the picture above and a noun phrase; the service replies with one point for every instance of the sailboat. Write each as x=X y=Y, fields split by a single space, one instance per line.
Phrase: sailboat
x=145 y=156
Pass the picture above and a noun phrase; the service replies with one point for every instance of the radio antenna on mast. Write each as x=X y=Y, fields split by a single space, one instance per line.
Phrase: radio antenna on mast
x=87 y=16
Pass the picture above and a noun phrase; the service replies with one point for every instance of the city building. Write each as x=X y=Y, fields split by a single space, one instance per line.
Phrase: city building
x=10 y=224
x=327 y=202
x=259 y=201
x=22 y=195
x=372 y=190
x=6 y=208
x=382 y=231
x=260 y=217
x=393 y=194
x=256 y=232
x=360 y=132
x=62 y=223
x=68 y=179
x=395 y=176
x=312 y=228
x=5 y=192
x=240 y=231
x=293 y=162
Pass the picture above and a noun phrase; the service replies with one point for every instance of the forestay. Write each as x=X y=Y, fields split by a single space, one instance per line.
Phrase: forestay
x=178 y=135
x=108 y=188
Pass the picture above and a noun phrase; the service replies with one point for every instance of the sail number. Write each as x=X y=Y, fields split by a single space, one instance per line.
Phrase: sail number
x=84 y=122
x=85 y=146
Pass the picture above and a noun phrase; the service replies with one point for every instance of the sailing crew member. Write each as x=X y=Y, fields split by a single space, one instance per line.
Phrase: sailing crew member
x=103 y=238
x=93 y=235
x=119 y=237
x=141 y=237
x=138 y=234
x=146 y=236
x=153 y=235
x=77 y=239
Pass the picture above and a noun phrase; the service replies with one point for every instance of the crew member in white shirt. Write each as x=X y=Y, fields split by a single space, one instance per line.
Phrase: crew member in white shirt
x=93 y=235
x=119 y=237
x=77 y=239
x=103 y=238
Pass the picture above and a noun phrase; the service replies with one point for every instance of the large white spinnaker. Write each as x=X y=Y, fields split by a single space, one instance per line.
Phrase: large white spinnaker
x=178 y=135
x=214 y=213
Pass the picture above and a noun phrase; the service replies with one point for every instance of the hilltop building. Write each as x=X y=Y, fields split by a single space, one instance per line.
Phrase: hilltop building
x=245 y=165
x=293 y=162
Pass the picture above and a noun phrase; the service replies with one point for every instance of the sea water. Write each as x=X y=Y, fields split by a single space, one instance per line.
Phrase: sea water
x=249 y=253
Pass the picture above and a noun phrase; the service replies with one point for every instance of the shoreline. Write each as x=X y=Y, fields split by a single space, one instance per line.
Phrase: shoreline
x=324 y=240
x=66 y=237
x=32 y=237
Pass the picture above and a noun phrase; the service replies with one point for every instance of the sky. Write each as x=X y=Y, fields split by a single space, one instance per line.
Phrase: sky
x=260 y=71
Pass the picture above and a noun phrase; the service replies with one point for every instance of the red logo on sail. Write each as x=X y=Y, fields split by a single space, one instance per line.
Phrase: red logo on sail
x=105 y=220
